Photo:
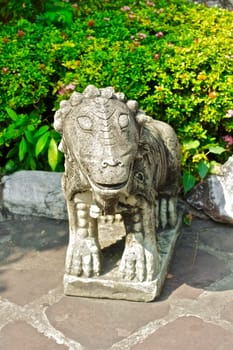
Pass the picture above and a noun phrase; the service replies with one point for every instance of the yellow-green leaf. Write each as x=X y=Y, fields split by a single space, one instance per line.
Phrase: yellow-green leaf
x=52 y=154
x=41 y=143
x=191 y=144
x=216 y=149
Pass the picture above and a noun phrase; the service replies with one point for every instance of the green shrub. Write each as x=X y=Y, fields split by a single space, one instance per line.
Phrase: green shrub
x=11 y=9
x=48 y=11
x=174 y=57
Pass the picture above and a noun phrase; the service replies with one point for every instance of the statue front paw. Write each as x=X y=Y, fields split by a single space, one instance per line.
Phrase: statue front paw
x=140 y=260
x=83 y=257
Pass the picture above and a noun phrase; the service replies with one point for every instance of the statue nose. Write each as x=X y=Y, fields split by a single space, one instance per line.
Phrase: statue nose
x=111 y=162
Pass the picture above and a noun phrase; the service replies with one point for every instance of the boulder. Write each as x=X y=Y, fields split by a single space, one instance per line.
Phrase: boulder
x=214 y=196
x=226 y=4
x=36 y=193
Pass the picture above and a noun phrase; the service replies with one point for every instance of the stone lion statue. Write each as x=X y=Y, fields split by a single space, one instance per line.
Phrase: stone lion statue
x=117 y=160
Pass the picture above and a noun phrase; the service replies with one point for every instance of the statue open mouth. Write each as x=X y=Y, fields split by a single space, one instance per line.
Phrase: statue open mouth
x=108 y=189
x=112 y=186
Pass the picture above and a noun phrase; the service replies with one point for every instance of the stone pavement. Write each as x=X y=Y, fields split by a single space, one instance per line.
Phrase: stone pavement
x=193 y=312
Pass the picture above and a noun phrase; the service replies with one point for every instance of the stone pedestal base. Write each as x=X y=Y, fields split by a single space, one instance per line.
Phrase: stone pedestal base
x=111 y=286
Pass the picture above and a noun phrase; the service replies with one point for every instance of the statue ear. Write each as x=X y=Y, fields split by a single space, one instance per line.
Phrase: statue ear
x=58 y=121
x=142 y=118
x=59 y=116
x=132 y=105
x=76 y=98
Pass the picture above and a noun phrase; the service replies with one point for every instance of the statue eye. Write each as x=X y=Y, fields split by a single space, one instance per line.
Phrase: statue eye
x=85 y=123
x=123 y=121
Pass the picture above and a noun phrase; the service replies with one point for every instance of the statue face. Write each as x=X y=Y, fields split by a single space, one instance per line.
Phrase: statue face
x=103 y=136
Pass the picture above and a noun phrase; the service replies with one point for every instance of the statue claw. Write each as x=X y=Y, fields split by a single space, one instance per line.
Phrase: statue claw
x=83 y=258
x=138 y=262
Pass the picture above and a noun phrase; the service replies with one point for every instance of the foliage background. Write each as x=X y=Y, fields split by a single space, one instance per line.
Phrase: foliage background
x=174 y=57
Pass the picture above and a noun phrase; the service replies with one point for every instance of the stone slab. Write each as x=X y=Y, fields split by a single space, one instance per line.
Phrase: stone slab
x=213 y=195
x=32 y=258
x=36 y=193
x=188 y=333
x=99 y=323
x=184 y=317
x=110 y=286
x=21 y=336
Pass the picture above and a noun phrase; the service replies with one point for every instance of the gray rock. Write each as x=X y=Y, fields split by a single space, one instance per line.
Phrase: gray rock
x=226 y=4
x=215 y=195
x=36 y=193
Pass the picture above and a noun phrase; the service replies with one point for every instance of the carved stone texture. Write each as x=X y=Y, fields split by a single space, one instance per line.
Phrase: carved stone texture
x=117 y=160
x=214 y=195
x=110 y=285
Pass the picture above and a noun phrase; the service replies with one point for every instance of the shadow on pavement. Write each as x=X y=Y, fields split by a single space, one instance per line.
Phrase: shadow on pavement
x=202 y=256
x=32 y=251
x=34 y=233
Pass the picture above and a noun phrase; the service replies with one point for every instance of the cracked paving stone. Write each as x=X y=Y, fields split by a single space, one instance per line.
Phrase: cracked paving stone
x=227 y=313
x=188 y=333
x=102 y=323
x=215 y=235
x=219 y=241
x=21 y=336
x=20 y=285
x=183 y=291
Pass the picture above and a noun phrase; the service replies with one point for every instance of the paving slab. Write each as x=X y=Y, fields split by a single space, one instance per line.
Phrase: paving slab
x=102 y=322
x=193 y=311
x=33 y=250
x=226 y=313
x=188 y=333
x=193 y=269
x=21 y=336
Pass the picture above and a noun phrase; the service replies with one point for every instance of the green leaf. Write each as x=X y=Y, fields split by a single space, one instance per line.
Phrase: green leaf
x=31 y=127
x=13 y=152
x=10 y=166
x=41 y=131
x=191 y=144
x=22 y=149
x=31 y=161
x=203 y=169
x=66 y=17
x=187 y=219
x=41 y=143
x=188 y=181
x=51 y=16
x=52 y=154
x=216 y=149
x=29 y=136
x=11 y=113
